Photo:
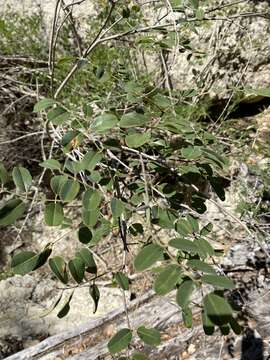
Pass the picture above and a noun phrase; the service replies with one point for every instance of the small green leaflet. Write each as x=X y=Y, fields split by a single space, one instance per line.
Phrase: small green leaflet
x=193 y=222
x=90 y=160
x=24 y=262
x=22 y=178
x=58 y=115
x=148 y=256
x=187 y=317
x=184 y=227
x=208 y=326
x=139 y=356
x=205 y=247
x=88 y=259
x=59 y=268
x=11 y=211
x=137 y=139
x=95 y=295
x=66 y=307
x=206 y=229
x=117 y=207
x=51 y=164
x=57 y=182
x=90 y=217
x=54 y=214
x=184 y=293
x=217 y=309
x=201 y=266
x=104 y=122
x=120 y=341
x=167 y=279
x=69 y=190
x=191 y=152
x=76 y=267
x=43 y=105
x=184 y=245
x=149 y=336
x=91 y=199
x=218 y=281
x=133 y=119
x=122 y=280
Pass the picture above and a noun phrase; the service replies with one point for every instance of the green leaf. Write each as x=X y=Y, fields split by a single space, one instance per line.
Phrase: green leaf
x=57 y=182
x=104 y=122
x=191 y=152
x=208 y=326
x=24 y=262
x=148 y=256
x=91 y=199
x=167 y=279
x=95 y=295
x=74 y=166
x=11 y=211
x=218 y=281
x=58 y=115
x=139 y=356
x=184 y=245
x=88 y=259
x=90 y=217
x=184 y=227
x=149 y=336
x=122 y=280
x=22 y=178
x=90 y=160
x=201 y=266
x=217 y=309
x=193 y=222
x=120 y=341
x=133 y=119
x=117 y=207
x=136 y=140
x=187 y=317
x=65 y=309
x=76 y=267
x=205 y=247
x=84 y=235
x=59 y=268
x=69 y=190
x=184 y=292
x=51 y=164
x=54 y=214
x=4 y=177
x=43 y=104
x=206 y=229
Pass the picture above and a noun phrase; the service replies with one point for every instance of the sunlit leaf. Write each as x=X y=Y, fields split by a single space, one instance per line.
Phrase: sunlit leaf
x=11 y=211
x=76 y=267
x=122 y=280
x=167 y=279
x=149 y=336
x=148 y=256
x=59 y=268
x=54 y=214
x=120 y=341
x=22 y=178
